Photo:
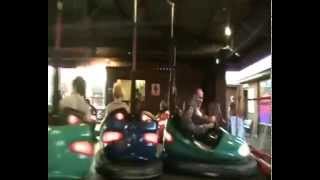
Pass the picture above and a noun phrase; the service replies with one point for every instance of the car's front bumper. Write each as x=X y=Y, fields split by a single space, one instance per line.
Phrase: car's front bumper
x=121 y=170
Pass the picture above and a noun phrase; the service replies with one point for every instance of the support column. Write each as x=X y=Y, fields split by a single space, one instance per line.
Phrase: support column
x=215 y=86
x=134 y=55
x=209 y=84
x=220 y=87
x=57 y=58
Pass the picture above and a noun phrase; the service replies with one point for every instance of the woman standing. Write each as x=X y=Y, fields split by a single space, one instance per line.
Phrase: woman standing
x=236 y=122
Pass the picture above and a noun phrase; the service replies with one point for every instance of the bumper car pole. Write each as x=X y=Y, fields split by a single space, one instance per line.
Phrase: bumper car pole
x=172 y=77
x=134 y=56
x=57 y=58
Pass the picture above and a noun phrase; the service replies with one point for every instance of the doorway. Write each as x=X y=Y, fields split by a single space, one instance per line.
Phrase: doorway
x=140 y=90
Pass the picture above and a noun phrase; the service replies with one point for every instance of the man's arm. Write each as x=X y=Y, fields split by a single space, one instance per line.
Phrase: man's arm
x=188 y=123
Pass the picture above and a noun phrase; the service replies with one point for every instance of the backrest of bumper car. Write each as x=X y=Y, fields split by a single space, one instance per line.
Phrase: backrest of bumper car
x=114 y=124
x=61 y=118
x=71 y=111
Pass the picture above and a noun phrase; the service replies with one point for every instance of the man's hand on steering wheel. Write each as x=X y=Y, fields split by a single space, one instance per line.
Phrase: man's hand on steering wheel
x=213 y=126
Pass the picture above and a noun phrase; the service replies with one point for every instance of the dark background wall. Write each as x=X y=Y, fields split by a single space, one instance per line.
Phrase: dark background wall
x=189 y=76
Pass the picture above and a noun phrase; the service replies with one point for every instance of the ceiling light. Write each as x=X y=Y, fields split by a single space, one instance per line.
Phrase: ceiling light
x=217 y=60
x=227 y=31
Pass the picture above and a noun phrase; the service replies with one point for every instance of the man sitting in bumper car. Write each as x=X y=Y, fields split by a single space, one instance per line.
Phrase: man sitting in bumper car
x=195 y=123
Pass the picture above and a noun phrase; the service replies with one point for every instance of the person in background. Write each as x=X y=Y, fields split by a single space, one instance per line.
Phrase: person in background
x=236 y=123
x=193 y=120
x=138 y=95
x=163 y=105
x=117 y=103
x=117 y=100
x=214 y=109
x=231 y=112
x=138 y=102
x=232 y=107
x=162 y=117
x=164 y=113
x=179 y=106
x=76 y=101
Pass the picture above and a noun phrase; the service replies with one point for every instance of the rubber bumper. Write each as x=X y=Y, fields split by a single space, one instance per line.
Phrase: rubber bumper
x=246 y=169
x=127 y=170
